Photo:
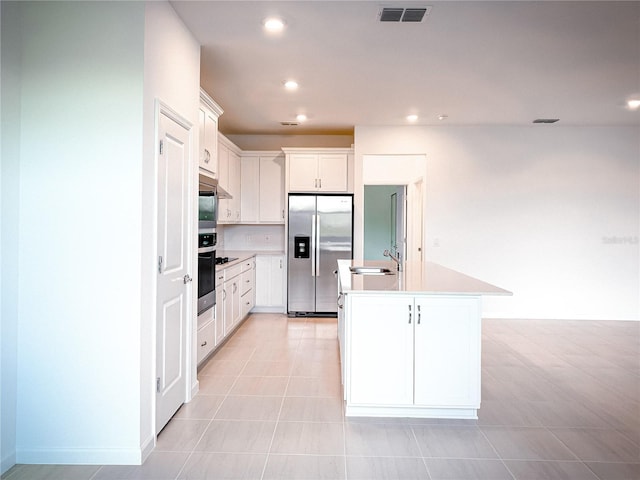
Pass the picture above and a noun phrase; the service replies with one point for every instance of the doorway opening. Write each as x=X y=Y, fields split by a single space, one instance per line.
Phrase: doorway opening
x=384 y=221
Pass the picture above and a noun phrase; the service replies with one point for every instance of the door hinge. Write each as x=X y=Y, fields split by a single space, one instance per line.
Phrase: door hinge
x=158 y=385
x=160 y=264
x=161 y=146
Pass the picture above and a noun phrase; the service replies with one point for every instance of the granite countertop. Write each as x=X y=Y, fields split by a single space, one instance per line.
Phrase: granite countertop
x=416 y=277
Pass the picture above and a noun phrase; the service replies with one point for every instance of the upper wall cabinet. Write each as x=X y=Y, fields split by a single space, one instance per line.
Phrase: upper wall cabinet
x=209 y=113
x=318 y=170
x=262 y=175
x=229 y=180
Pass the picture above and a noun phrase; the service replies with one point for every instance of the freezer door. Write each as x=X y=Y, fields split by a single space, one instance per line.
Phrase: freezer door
x=300 y=271
x=334 y=232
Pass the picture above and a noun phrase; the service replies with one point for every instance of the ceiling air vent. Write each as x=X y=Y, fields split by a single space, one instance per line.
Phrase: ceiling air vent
x=411 y=15
x=546 y=120
x=289 y=124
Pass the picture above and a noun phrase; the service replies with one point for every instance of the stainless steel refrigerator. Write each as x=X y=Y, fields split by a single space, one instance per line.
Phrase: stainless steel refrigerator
x=320 y=233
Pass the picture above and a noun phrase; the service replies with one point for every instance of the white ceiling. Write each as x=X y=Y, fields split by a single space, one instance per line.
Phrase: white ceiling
x=478 y=62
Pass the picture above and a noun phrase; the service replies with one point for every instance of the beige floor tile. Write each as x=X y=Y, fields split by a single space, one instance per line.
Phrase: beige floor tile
x=159 y=466
x=615 y=471
x=181 y=435
x=457 y=469
x=261 y=386
x=228 y=436
x=599 y=445
x=385 y=468
x=542 y=470
x=380 y=439
x=223 y=466
x=215 y=384
x=201 y=407
x=308 y=438
x=527 y=444
x=304 y=467
x=267 y=369
x=236 y=407
x=460 y=442
x=311 y=409
x=223 y=367
x=51 y=472
x=314 y=387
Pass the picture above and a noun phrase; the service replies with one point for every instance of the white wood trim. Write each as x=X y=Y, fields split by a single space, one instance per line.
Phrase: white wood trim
x=210 y=103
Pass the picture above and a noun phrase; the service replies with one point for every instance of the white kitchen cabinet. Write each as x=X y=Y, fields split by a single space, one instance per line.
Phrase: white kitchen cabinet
x=269 y=281
x=209 y=113
x=313 y=170
x=262 y=187
x=414 y=351
x=206 y=334
x=231 y=289
x=247 y=290
x=447 y=351
x=381 y=350
x=229 y=180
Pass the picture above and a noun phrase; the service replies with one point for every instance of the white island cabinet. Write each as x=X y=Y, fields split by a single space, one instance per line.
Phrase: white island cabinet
x=410 y=341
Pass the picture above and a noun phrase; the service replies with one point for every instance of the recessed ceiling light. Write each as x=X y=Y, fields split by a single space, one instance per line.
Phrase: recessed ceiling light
x=412 y=118
x=273 y=24
x=633 y=104
x=301 y=117
x=291 y=85
x=443 y=116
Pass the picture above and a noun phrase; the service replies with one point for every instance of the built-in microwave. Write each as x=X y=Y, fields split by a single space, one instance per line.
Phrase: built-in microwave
x=207 y=205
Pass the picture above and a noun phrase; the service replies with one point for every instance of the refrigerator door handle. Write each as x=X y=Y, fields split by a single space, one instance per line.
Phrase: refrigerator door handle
x=313 y=245
x=318 y=245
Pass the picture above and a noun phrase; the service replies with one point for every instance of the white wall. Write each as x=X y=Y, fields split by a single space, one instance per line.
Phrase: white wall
x=78 y=216
x=79 y=232
x=171 y=75
x=9 y=201
x=276 y=142
x=532 y=209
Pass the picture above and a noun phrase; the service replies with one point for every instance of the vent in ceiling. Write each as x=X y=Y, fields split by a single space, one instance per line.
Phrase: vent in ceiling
x=289 y=124
x=546 y=120
x=406 y=15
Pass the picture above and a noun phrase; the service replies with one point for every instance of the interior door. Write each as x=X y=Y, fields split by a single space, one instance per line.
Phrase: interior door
x=174 y=287
x=415 y=224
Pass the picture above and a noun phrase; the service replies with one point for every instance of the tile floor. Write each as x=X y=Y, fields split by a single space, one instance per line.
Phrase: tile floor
x=560 y=400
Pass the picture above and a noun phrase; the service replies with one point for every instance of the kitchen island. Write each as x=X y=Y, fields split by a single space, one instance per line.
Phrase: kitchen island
x=410 y=340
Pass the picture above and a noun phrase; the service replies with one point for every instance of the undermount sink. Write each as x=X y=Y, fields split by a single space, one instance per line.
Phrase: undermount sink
x=370 y=271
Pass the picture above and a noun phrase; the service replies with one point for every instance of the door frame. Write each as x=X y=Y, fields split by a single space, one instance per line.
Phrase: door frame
x=162 y=108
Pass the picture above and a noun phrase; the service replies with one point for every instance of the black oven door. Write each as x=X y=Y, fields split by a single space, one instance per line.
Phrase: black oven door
x=206 y=278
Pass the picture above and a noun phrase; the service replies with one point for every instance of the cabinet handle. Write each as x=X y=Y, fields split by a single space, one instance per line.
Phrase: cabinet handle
x=419 y=314
x=235 y=287
x=319 y=183
x=204 y=344
x=409 y=313
x=280 y=264
x=224 y=294
x=340 y=305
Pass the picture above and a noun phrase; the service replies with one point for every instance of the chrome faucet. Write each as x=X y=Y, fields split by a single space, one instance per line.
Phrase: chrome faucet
x=387 y=253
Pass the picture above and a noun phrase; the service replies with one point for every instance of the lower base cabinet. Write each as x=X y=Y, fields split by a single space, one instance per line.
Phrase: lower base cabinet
x=414 y=354
x=234 y=300
x=269 y=281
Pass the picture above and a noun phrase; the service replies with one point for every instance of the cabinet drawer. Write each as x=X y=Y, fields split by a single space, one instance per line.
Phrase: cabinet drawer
x=246 y=303
x=246 y=282
x=206 y=340
x=219 y=278
x=205 y=318
x=231 y=272
x=247 y=265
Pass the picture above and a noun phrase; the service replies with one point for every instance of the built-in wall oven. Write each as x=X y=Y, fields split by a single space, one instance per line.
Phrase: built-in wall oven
x=206 y=272
x=207 y=239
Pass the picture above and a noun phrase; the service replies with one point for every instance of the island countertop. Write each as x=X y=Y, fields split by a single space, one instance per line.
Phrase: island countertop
x=415 y=277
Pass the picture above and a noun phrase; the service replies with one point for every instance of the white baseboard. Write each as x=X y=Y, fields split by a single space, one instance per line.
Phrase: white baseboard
x=81 y=456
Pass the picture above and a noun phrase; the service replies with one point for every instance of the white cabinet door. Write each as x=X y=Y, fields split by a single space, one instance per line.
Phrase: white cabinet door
x=219 y=314
x=208 y=131
x=224 y=207
x=447 y=352
x=303 y=172
x=250 y=187
x=269 y=284
x=332 y=172
x=234 y=186
x=381 y=350
x=271 y=189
